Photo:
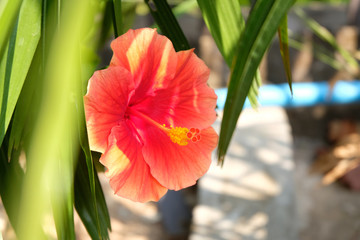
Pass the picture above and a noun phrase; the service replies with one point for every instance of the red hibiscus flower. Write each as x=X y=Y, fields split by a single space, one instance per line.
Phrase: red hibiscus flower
x=150 y=114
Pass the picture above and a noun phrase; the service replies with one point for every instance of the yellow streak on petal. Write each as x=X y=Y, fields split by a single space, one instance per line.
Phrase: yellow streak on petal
x=115 y=161
x=139 y=47
x=161 y=71
x=94 y=141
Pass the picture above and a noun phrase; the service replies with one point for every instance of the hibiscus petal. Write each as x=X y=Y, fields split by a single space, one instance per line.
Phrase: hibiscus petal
x=105 y=103
x=175 y=166
x=129 y=174
x=150 y=58
x=187 y=101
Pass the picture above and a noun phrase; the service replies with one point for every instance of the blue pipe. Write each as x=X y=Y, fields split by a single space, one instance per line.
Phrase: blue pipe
x=304 y=94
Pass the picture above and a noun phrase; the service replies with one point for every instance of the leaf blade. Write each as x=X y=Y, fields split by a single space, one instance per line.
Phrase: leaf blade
x=94 y=213
x=284 y=50
x=164 y=17
x=20 y=55
x=54 y=134
x=226 y=24
x=325 y=35
x=258 y=33
x=85 y=208
x=117 y=18
x=9 y=10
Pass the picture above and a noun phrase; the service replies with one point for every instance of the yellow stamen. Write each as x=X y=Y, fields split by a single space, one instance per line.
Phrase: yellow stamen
x=178 y=135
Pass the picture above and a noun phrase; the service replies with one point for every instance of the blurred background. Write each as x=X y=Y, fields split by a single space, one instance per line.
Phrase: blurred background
x=293 y=168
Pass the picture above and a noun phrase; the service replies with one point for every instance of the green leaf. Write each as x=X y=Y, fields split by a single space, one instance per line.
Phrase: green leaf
x=20 y=53
x=11 y=176
x=11 y=181
x=284 y=49
x=9 y=10
x=254 y=90
x=129 y=13
x=304 y=2
x=117 y=18
x=324 y=34
x=107 y=24
x=10 y=171
x=261 y=26
x=323 y=54
x=51 y=152
x=89 y=198
x=84 y=201
x=226 y=24
x=26 y=107
x=169 y=26
x=89 y=201
x=63 y=203
x=184 y=7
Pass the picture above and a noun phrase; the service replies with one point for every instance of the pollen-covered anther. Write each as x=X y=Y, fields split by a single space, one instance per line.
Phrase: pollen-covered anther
x=182 y=136
x=179 y=135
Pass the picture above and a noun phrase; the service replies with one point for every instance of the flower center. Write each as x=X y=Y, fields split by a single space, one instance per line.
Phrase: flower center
x=181 y=135
x=178 y=135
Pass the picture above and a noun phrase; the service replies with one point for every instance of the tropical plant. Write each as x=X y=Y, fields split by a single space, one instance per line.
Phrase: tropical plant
x=48 y=52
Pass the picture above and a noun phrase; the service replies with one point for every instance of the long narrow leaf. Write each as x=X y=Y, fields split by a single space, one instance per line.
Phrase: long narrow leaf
x=184 y=7
x=9 y=10
x=50 y=156
x=11 y=182
x=261 y=26
x=20 y=54
x=117 y=17
x=11 y=173
x=226 y=24
x=323 y=54
x=84 y=202
x=107 y=24
x=129 y=13
x=89 y=198
x=23 y=118
x=284 y=49
x=324 y=34
x=254 y=90
x=11 y=177
x=63 y=202
x=164 y=17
